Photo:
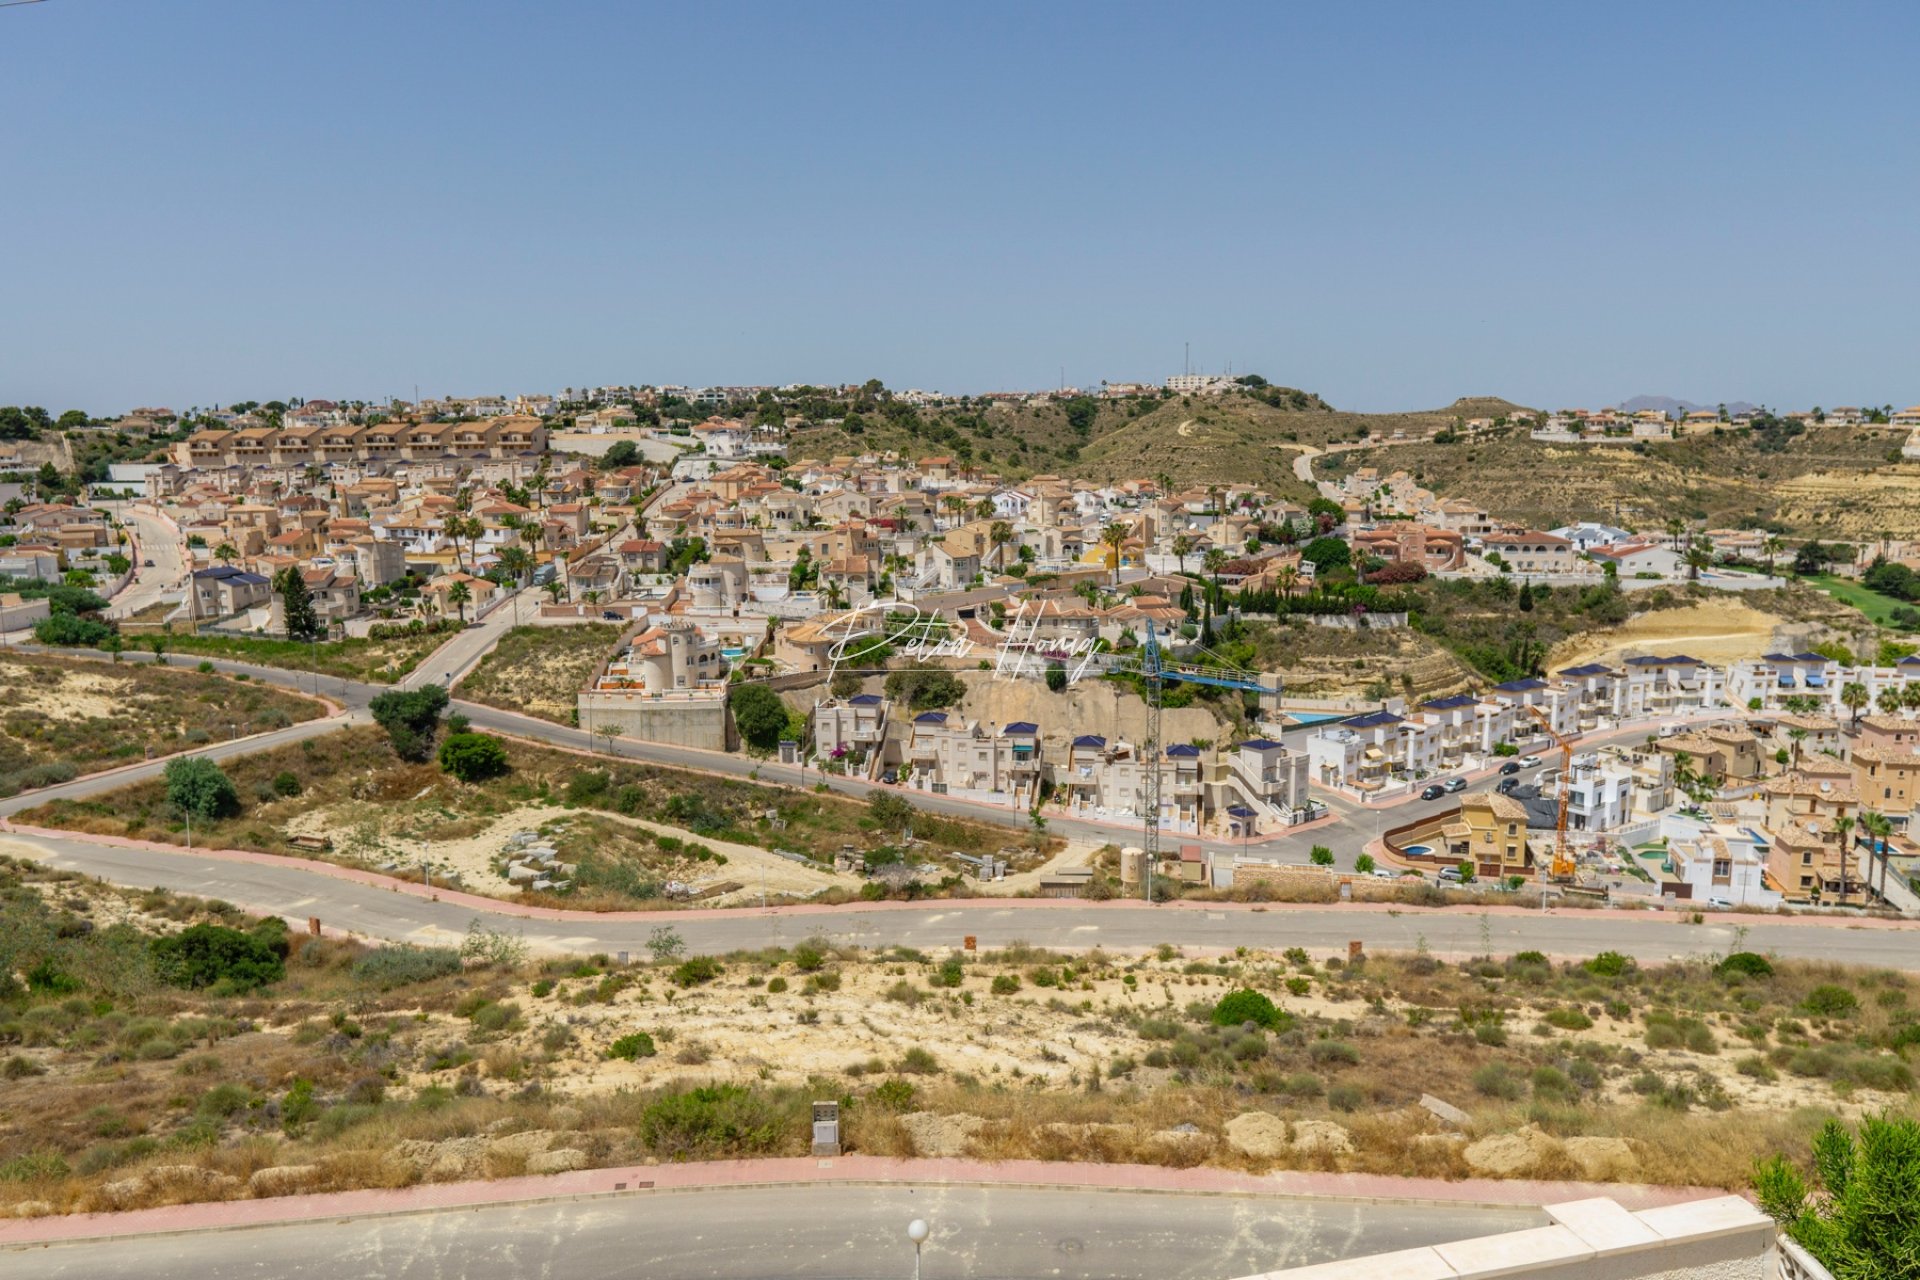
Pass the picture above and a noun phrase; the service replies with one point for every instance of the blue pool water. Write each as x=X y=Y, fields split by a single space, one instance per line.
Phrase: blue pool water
x=1315 y=717
x=1417 y=850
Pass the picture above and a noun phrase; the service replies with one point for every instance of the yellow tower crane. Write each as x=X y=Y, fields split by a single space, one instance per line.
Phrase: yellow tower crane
x=1563 y=869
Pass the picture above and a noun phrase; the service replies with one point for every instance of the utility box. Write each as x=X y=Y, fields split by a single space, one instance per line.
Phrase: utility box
x=826 y=1128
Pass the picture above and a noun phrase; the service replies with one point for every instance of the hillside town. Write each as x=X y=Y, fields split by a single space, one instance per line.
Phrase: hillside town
x=728 y=565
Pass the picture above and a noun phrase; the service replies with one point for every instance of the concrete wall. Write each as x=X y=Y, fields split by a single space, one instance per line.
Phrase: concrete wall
x=1720 y=1239
x=682 y=722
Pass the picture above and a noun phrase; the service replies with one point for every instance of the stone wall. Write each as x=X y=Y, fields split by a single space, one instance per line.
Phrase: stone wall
x=678 y=721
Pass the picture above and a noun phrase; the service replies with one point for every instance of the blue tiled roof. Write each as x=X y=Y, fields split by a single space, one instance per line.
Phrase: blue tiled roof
x=1589 y=669
x=1089 y=740
x=1779 y=657
x=1521 y=686
x=1021 y=726
x=1678 y=660
x=931 y=717
x=1373 y=721
x=1183 y=750
x=1260 y=744
x=865 y=700
x=1448 y=704
x=1239 y=811
x=1809 y=657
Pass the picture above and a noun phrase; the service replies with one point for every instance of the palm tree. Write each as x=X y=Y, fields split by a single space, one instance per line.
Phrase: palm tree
x=1113 y=537
x=1853 y=696
x=1798 y=736
x=835 y=594
x=1910 y=695
x=1843 y=827
x=457 y=596
x=1878 y=828
x=1182 y=548
x=1698 y=555
x=999 y=533
x=1675 y=526
x=1773 y=546
x=1287 y=578
x=555 y=588
x=1889 y=700
x=226 y=553
x=954 y=504
x=983 y=509
x=454 y=525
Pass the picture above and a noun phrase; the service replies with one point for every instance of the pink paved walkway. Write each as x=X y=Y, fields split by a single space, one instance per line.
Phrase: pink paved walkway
x=1370 y=1188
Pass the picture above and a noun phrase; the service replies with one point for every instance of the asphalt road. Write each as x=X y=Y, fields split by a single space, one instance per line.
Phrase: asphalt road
x=154 y=539
x=292 y=890
x=810 y=1233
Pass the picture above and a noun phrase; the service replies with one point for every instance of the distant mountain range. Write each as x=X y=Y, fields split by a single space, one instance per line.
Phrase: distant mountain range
x=1671 y=407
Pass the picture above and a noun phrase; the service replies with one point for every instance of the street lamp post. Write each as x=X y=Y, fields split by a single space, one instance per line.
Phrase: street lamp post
x=917 y=1232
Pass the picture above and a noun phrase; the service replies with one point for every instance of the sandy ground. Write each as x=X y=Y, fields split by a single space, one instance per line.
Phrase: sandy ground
x=1715 y=631
x=78 y=695
x=362 y=833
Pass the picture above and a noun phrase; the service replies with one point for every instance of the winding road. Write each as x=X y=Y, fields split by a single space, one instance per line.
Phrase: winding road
x=374 y=907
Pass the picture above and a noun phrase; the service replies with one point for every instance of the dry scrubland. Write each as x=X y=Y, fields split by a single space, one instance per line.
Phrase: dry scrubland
x=377 y=661
x=60 y=717
x=344 y=1066
x=631 y=828
x=538 y=670
x=1828 y=482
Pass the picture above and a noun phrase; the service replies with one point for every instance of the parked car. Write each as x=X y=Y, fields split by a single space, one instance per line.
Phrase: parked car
x=1433 y=792
x=1381 y=873
x=609 y=615
x=1527 y=762
x=1506 y=784
x=1510 y=768
x=1451 y=874
x=1456 y=784
x=890 y=777
x=146 y=564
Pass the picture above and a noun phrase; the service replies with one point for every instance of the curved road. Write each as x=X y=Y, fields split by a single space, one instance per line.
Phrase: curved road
x=788 y=1233
x=295 y=889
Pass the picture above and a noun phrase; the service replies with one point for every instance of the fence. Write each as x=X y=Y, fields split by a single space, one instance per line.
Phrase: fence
x=1794 y=1263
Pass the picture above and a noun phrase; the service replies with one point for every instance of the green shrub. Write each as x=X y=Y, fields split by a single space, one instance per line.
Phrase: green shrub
x=951 y=973
x=1237 y=1008
x=1004 y=984
x=1608 y=964
x=198 y=786
x=1346 y=1097
x=1496 y=1080
x=1298 y=986
x=629 y=1047
x=395 y=966
x=1745 y=964
x=894 y=1094
x=776 y=985
x=1568 y=1019
x=1333 y=1053
x=473 y=757
x=285 y=783
x=1552 y=1084
x=808 y=958
x=695 y=971
x=827 y=980
x=206 y=955
x=711 y=1121
x=1830 y=1000
x=918 y=1062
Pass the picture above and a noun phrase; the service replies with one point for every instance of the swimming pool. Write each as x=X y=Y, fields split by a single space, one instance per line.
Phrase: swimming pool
x=1309 y=718
x=1417 y=850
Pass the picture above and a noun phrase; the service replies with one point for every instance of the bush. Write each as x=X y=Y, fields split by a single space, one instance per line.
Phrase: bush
x=808 y=958
x=710 y=1121
x=1346 y=1097
x=896 y=1094
x=630 y=1047
x=411 y=718
x=1829 y=1000
x=473 y=757
x=918 y=1062
x=1864 y=1224
x=951 y=973
x=1333 y=1053
x=1568 y=1019
x=1496 y=1080
x=1005 y=984
x=1608 y=964
x=390 y=967
x=776 y=985
x=206 y=955
x=286 y=784
x=1746 y=964
x=1239 y=1007
x=694 y=972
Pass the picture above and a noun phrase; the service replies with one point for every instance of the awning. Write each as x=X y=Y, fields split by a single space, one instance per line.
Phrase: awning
x=1456 y=830
x=1375 y=753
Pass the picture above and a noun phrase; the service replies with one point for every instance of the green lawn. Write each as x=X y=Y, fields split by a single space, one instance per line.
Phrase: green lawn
x=1876 y=606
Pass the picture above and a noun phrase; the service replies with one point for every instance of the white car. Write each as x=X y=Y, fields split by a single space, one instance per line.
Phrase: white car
x=1527 y=762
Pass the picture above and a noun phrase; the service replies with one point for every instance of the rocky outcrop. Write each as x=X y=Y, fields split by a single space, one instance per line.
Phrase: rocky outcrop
x=284 y=1180
x=1511 y=1155
x=1321 y=1137
x=1603 y=1159
x=1259 y=1134
x=559 y=1160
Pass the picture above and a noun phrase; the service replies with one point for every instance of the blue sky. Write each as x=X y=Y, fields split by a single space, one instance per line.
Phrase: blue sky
x=1391 y=205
